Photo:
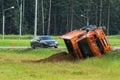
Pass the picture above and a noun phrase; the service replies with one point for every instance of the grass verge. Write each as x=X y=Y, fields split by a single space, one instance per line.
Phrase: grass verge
x=104 y=68
x=24 y=40
x=15 y=40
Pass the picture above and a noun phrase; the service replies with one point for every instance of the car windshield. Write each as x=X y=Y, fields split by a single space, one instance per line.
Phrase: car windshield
x=46 y=38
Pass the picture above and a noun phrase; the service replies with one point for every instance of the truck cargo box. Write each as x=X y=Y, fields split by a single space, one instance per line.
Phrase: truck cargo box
x=86 y=42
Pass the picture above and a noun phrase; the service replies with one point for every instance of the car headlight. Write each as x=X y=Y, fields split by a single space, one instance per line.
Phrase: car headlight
x=56 y=42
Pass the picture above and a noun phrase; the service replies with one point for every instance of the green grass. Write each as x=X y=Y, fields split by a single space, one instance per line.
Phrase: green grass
x=114 y=40
x=17 y=37
x=25 y=40
x=15 y=40
x=11 y=67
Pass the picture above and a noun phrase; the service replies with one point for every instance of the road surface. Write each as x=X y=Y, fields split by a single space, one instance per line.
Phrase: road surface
x=19 y=47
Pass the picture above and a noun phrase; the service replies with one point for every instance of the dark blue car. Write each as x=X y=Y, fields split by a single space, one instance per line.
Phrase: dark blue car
x=43 y=41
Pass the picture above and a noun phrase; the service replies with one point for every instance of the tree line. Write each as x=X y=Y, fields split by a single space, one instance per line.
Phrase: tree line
x=56 y=17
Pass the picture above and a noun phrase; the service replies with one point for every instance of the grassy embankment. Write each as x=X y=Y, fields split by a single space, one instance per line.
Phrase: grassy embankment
x=114 y=40
x=15 y=40
x=104 y=68
x=25 y=40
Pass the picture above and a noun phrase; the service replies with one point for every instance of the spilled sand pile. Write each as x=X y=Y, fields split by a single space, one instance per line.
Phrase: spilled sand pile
x=62 y=56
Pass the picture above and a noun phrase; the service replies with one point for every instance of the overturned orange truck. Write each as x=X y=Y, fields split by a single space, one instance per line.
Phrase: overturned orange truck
x=86 y=42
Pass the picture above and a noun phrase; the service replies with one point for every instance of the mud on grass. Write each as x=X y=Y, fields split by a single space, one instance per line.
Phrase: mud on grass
x=58 y=57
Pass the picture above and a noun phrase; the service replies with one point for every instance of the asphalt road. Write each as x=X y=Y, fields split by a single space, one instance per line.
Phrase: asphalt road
x=116 y=48
x=18 y=47
x=23 y=47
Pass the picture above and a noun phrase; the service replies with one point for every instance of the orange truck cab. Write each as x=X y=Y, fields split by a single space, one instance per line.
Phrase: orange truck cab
x=86 y=42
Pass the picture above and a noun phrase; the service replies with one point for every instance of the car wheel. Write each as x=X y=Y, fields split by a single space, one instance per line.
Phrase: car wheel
x=41 y=46
x=32 y=46
x=55 y=46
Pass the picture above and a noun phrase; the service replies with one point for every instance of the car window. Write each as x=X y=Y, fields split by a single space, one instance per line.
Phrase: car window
x=36 y=38
x=46 y=38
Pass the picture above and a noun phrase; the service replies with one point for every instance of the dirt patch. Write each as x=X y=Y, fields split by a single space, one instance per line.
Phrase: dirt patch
x=62 y=56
